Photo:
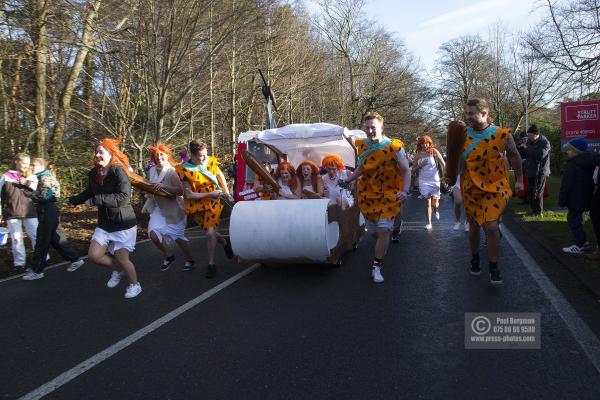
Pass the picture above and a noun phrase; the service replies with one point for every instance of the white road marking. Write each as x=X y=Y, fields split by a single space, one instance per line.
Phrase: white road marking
x=93 y=361
x=579 y=329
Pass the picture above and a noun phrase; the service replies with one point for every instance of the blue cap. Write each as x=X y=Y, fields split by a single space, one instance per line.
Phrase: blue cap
x=578 y=145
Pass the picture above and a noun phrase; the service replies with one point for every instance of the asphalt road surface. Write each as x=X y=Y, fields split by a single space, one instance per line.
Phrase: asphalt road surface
x=294 y=332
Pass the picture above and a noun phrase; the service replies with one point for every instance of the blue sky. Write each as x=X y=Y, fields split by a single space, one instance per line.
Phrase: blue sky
x=424 y=25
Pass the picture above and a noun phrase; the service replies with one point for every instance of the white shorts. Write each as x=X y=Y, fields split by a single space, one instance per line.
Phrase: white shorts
x=124 y=239
x=387 y=224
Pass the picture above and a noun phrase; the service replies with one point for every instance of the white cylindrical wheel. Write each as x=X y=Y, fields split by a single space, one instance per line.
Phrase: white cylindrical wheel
x=283 y=230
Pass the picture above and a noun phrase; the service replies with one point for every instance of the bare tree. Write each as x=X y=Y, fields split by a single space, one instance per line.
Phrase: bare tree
x=568 y=39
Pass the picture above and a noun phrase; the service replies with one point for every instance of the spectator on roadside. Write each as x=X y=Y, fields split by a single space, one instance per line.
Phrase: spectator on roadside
x=536 y=167
x=576 y=190
x=17 y=209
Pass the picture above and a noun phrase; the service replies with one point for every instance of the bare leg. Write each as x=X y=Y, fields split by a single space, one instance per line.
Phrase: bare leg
x=457 y=211
x=211 y=244
x=492 y=234
x=185 y=247
x=473 y=236
x=383 y=241
x=398 y=220
x=122 y=258
x=161 y=246
x=97 y=255
x=428 y=209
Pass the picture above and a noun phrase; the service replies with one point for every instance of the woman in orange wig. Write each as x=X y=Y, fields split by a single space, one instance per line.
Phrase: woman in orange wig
x=427 y=162
x=310 y=179
x=288 y=182
x=109 y=189
x=336 y=170
x=167 y=217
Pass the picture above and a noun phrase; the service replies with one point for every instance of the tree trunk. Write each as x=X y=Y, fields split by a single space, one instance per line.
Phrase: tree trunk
x=5 y=115
x=41 y=59
x=88 y=91
x=67 y=93
x=211 y=83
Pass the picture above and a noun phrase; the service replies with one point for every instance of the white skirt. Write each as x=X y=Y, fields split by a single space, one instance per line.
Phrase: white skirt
x=158 y=225
x=124 y=239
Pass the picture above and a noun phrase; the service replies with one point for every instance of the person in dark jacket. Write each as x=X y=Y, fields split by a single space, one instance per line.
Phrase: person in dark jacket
x=45 y=191
x=17 y=209
x=537 y=167
x=109 y=189
x=576 y=190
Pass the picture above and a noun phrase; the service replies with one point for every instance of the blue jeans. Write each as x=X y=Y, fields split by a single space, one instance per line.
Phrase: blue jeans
x=575 y=221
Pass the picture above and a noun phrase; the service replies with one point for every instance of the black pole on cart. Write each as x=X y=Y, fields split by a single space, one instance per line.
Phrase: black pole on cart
x=270 y=104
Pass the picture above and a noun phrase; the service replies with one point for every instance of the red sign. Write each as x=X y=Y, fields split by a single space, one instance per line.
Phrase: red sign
x=580 y=119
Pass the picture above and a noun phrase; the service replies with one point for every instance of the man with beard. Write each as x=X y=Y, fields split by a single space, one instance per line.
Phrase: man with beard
x=484 y=182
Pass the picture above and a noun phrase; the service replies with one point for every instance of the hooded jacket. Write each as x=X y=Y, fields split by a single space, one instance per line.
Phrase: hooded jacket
x=577 y=185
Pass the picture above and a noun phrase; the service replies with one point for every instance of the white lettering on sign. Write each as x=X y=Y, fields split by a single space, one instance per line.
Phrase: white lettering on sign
x=587 y=114
x=581 y=113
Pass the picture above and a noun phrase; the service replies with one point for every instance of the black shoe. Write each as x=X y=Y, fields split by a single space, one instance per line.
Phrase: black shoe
x=167 y=263
x=495 y=276
x=211 y=271
x=475 y=268
x=395 y=236
x=188 y=266
x=228 y=249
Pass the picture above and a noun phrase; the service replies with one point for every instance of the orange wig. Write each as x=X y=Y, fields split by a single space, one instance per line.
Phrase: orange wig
x=333 y=159
x=117 y=156
x=314 y=174
x=290 y=168
x=159 y=147
x=421 y=144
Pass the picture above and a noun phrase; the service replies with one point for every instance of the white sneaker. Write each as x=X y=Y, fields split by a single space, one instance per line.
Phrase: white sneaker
x=133 y=290
x=437 y=215
x=75 y=265
x=114 y=280
x=466 y=226
x=429 y=227
x=456 y=226
x=574 y=249
x=376 y=274
x=31 y=276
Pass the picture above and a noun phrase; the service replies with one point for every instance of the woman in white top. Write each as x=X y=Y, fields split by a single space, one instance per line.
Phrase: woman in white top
x=167 y=217
x=426 y=164
x=288 y=182
x=334 y=165
x=310 y=178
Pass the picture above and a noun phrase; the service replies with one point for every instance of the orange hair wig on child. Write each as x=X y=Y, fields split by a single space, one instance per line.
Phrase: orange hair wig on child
x=159 y=147
x=290 y=168
x=421 y=144
x=314 y=174
x=117 y=156
x=333 y=159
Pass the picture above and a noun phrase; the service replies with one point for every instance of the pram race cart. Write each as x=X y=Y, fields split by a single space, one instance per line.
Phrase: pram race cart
x=293 y=231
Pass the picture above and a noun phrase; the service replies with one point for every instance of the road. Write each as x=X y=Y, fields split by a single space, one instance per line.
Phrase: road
x=294 y=332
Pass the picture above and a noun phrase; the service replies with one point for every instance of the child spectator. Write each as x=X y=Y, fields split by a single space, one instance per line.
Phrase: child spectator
x=49 y=231
x=576 y=190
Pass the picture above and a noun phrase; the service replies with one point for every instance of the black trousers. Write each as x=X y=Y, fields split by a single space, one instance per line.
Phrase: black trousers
x=50 y=233
x=535 y=192
x=595 y=213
